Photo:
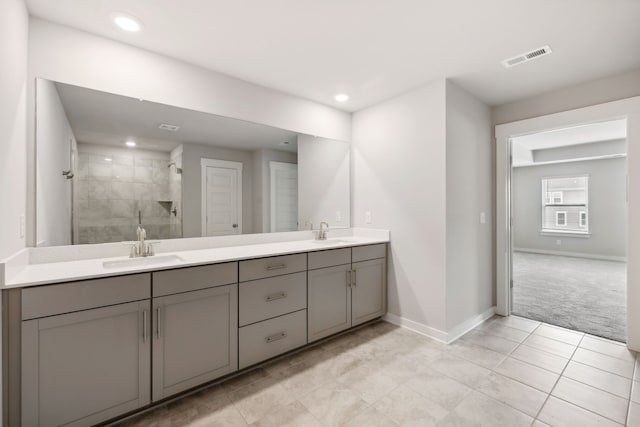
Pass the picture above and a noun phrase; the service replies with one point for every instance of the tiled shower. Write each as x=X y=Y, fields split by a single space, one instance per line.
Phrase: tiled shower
x=113 y=186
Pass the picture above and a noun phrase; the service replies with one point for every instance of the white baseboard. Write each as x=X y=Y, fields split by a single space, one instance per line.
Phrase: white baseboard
x=420 y=328
x=469 y=324
x=572 y=254
x=437 y=334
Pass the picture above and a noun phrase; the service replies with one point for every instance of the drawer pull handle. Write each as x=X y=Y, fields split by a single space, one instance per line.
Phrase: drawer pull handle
x=277 y=296
x=348 y=272
x=353 y=281
x=276 y=267
x=276 y=337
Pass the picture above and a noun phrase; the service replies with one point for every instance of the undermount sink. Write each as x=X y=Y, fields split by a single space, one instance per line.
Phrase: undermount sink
x=137 y=262
x=332 y=241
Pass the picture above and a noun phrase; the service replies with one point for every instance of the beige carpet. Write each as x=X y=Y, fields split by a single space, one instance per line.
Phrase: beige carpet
x=577 y=293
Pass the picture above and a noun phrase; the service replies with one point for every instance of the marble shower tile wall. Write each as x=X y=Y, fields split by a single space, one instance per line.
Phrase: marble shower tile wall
x=110 y=193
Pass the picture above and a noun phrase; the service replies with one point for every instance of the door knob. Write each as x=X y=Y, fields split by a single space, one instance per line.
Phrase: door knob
x=235 y=225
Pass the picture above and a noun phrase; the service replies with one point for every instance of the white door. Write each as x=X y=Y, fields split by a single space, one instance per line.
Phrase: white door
x=284 y=196
x=221 y=197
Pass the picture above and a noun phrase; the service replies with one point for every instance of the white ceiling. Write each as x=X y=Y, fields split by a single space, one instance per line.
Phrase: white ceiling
x=375 y=49
x=584 y=134
x=103 y=118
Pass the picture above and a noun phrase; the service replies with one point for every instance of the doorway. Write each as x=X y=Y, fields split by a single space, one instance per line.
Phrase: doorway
x=628 y=109
x=283 y=195
x=221 y=197
x=569 y=227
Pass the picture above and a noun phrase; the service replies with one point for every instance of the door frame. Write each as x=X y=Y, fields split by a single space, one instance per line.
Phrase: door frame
x=225 y=164
x=628 y=108
x=273 y=167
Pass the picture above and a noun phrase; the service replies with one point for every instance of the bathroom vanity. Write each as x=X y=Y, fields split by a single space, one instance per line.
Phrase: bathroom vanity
x=86 y=348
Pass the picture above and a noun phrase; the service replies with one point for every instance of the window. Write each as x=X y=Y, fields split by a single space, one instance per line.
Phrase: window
x=561 y=218
x=583 y=219
x=565 y=205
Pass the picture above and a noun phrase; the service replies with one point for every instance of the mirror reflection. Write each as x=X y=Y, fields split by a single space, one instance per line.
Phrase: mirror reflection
x=108 y=162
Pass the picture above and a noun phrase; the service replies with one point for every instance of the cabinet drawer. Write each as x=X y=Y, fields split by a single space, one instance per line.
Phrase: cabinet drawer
x=273 y=266
x=194 y=278
x=50 y=300
x=363 y=253
x=329 y=258
x=266 y=298
x=270 y=338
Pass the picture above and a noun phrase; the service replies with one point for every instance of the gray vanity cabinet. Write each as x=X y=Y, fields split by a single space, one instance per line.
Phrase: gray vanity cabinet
x=368 y=291
x=329 y=301
x=347 y=287
x=81 y=368
x=194 y=333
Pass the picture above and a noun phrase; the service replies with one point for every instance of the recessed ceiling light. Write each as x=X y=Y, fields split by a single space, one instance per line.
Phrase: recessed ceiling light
x=341 y=97
x=107 y=159
x=127 y=22
x=130 y=143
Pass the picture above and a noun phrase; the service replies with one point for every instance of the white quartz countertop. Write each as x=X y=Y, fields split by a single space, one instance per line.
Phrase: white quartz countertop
x=31 y=274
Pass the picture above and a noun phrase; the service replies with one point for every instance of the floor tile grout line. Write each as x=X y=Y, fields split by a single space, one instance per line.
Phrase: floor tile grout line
x=633 y=374
x=556 y=383
x=549 y=352
x=493 y=371
x=602 y=370
x=588 y=410
x=570 y=359
x=571 y=403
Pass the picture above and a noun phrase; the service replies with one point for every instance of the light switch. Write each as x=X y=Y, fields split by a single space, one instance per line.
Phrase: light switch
x=367 y=218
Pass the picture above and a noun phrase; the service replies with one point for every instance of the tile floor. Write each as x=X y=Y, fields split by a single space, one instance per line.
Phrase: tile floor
x=507 y=372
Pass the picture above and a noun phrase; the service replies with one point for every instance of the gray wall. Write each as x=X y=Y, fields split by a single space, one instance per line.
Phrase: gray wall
x=192 y=185
x=585 y=94
x=399 y=155
x=262 y=185
x=14 y=27
x=323 y=181
x=55 y=141
x=468 y=159
x=607 y=208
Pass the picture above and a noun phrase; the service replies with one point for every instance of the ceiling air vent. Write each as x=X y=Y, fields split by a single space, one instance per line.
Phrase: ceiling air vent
x=171 y=128
x=526 y=57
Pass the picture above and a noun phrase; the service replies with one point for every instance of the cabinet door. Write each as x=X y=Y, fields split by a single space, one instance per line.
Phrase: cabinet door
x=329 y=307
x=368 y=290
x=195 y=338
x=82 y=368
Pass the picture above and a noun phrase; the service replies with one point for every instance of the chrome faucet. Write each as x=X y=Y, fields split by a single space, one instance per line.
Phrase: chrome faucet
x=141 y=248
x=322 y=232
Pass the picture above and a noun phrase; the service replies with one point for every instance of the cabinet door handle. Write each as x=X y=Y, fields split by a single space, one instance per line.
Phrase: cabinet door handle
x=276 y=267
x=276 y=296
x=144 y=326
x=276 y=337
x=348 y=274
x=158 y=323
x=353 y=279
